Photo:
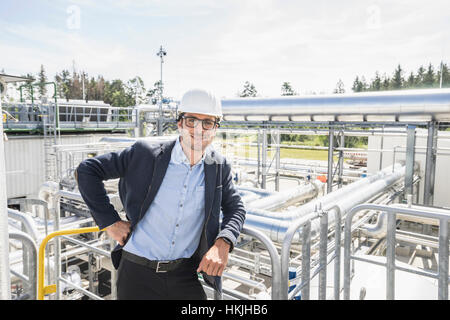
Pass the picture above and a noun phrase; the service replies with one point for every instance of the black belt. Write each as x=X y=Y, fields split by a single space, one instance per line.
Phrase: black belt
x=157 y=265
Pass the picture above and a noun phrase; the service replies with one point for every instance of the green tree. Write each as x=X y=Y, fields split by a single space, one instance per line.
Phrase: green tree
x=420 y=77
x=116 y=95
x=248 y=91
x=376 y=83
x=152 y=95
x=63 y=82
x=397 y=80
x=429 y=77
x=135 y=88
x=339 y=87
x=357 y=85
x=286 y=89
x=445 y=76
x=42 y=78
x=411 y=81
x=385 y=82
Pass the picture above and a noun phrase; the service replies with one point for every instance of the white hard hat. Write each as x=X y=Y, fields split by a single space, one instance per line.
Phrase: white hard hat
x=200 y=101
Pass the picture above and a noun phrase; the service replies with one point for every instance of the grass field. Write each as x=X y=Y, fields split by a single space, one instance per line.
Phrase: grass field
x=251 y=151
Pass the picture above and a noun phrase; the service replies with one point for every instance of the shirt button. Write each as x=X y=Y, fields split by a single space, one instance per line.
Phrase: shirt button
x=185 y=186
x=181 y=205
x=173 y=242
x=177 y=225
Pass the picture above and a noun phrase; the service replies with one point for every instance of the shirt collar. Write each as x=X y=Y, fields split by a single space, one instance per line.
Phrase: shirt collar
x=178 y=156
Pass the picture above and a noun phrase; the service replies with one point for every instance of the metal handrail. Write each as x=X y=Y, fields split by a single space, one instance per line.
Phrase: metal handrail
x=440 y=214
x=274 y=257
x=305 y=224
x=28 y=241
x=42 y=289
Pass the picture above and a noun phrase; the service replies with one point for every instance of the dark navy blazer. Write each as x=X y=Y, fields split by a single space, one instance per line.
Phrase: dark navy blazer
x=141 y=169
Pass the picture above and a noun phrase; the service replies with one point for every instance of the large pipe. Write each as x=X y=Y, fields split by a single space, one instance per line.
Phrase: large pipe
x=27 y=222
x=431 y=102
x=284 y=198
x=332 y=198
x=276 y=224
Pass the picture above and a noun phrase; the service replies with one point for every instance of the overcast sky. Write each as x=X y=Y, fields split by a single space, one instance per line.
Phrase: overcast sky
x=221 y=44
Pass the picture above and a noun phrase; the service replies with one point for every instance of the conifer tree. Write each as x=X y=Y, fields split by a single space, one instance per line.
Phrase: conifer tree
x=42 y=78
x=429 y=77
x=286 y=89
x=397 y=80
x=248 y=91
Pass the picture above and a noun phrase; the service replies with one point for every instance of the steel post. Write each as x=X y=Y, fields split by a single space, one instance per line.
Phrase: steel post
x=390 y=258
x=430 y=165
x=306 y=260
x=410 y=152
x=330 y=160
x=443 y=260
x=277 y=160
x=323 y=255
x=264 y=159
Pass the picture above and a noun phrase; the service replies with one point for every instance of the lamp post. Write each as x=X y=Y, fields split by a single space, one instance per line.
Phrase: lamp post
x=161 y=54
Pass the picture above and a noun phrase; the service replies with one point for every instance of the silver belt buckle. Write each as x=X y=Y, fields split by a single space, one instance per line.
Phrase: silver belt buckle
x=157 y=266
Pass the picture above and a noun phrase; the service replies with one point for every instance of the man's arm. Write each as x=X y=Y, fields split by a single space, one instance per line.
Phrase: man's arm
x=90 y=175
x=233 y=212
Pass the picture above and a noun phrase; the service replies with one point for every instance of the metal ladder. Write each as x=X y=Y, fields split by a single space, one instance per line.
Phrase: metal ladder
x=50 y=139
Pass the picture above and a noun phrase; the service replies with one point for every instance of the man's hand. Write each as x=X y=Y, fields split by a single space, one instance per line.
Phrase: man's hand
x=215 y=260
x=119 y=231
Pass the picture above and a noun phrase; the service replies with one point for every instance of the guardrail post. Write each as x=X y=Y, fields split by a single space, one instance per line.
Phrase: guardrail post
x=306 y=260
x=337 y=261
x=443 y=260
x=390 y=256
x=323 y=254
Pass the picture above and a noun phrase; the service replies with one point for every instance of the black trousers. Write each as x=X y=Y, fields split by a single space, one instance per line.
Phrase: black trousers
x=138 y=282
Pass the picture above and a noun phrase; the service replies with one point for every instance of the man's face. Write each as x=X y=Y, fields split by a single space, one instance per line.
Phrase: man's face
x=196 y=139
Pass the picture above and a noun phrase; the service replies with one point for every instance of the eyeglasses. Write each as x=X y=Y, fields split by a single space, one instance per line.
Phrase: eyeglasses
x=192 y=122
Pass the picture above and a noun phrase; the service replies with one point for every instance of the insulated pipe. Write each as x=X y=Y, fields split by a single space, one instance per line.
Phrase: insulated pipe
x=281 y=199
x=332 y=198
x=275 y=225
x=27 y=222
x=317 y=169
x=431 y=102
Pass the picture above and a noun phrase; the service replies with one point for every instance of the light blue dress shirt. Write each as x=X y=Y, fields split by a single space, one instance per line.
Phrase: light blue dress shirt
x=172 y=225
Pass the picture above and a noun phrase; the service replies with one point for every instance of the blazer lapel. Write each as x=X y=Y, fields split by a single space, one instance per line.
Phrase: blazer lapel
x=161 y=164
x=210 y=181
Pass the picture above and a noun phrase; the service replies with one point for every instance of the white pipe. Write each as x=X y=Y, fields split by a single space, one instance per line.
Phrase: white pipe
x=276 y=224
x=379 y=229
x=281 y=199
x=27 y=222
x=432 y=102
x=332 y=198
x=5 y=281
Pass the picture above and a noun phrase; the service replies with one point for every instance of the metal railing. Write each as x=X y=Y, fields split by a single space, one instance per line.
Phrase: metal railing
x=305 y=224
x=26 y=116
x=52 y=288
x=442 y=215
x=274 y=259
x=45 y=290
x=29 y=273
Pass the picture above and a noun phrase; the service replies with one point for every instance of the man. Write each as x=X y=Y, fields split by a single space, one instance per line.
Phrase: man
x=172 y=195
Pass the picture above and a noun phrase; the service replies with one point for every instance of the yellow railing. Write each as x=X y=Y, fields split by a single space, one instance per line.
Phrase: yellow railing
x=42 y=289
